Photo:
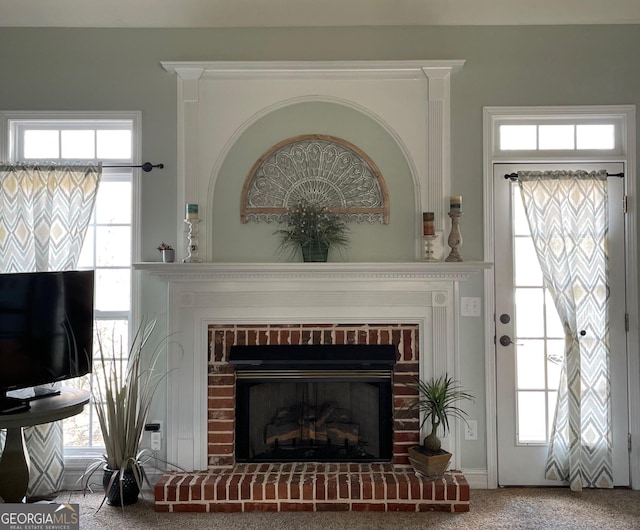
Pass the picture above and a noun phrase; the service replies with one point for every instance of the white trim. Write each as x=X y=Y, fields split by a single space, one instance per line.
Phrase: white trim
x=311 y=69
x=263 y=293
x=477 y=478
x=215 y=106
x=626 y=116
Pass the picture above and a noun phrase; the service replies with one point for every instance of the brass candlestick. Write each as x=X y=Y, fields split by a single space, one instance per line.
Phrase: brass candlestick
x=455 y=237
x=192 y=238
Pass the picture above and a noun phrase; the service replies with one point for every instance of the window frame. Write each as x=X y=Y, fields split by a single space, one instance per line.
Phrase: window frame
x=550 y=118
x=13 y=123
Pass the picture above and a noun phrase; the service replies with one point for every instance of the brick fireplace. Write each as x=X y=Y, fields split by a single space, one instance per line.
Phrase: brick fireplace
x=221 y=387
x=214 y=306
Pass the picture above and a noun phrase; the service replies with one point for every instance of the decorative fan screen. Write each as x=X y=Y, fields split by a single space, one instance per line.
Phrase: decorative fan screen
x=324 y=170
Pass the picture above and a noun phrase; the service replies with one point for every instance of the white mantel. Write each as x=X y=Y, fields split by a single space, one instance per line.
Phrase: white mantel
x=201 y=294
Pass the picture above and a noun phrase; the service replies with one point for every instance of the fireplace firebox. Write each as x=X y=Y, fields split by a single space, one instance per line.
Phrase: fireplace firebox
x=314 y=403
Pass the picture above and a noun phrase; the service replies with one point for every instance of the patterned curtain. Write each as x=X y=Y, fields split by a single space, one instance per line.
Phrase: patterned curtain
x=44 y=214
x=569 y=221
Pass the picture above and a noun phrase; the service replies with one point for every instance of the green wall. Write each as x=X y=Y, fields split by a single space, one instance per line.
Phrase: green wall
x=119 y=69
x=237 y=242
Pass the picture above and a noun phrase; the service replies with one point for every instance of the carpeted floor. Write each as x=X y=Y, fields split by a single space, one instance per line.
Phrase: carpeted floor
x=512 y=509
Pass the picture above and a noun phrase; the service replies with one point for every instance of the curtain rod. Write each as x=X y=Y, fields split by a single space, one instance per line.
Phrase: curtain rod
x=146 y=167
x=514 y=176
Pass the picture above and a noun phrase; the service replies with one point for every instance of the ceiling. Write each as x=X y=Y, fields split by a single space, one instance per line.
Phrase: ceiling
x=276 y=13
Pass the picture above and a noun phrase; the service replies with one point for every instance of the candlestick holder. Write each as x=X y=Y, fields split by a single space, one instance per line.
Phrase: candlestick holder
x=455 y=237
x=192 y=238
x=428 y=248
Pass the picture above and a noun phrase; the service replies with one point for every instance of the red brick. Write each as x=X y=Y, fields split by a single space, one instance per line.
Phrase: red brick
x=245 y=487
x=295 y=336
x=270 y=491
x=461 y=507
x=367 y=489
x=464 y=493
x=252 y=337
x=368 y=507
x=221 y=391
x=436 y=507
x=392 y=487
x=221 y=487
x=295 y=486
x=373 y=336
x=190 y=507
x=297 y=506
x=320 y=487
x=355 y=487
x=307 y=489
x=262 y=337
x=283 y=489
x=220 y=380
x=438 y=491
x=400 y=507
x=343 y=486
x=339 y=336
x=378 y=487
x=332 y=506
x=225 y=507
x=222 y=403
x=161 y=507
x=234 y=487
x=260 y=506
x=332 y=487
x=183 y=490
x=220 y=438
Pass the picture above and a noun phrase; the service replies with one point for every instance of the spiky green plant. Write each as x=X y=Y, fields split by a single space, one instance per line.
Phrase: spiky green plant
x=122 y=394
x=437 y=401
x=312 y=225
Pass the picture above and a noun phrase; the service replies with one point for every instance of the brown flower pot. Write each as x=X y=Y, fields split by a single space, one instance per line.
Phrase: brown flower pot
x=430 y=466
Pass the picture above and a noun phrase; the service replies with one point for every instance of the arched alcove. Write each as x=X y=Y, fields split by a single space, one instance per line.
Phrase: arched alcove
x=232 y=240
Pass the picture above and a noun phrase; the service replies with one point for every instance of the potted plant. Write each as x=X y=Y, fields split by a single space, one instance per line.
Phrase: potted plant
x=437 y=401
x=167 y=252
x=313 y=229
x=122 y=393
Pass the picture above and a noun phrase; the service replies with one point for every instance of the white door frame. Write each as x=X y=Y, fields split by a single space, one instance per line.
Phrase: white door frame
x=625 y=115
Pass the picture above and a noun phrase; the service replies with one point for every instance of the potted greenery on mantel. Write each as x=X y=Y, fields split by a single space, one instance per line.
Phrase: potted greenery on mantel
x=437 y=401
x=313 y=229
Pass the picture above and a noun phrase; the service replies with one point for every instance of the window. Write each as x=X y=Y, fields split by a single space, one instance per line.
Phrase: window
x=559 y=136
x=107 y=249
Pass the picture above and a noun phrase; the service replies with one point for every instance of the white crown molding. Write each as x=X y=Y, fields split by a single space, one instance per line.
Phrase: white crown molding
x=411 y=69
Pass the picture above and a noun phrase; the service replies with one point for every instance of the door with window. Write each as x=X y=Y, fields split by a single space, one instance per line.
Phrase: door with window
x=530 y=338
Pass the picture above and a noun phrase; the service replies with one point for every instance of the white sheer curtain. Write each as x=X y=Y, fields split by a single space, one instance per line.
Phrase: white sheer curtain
x=44 y=214
x=568 y=216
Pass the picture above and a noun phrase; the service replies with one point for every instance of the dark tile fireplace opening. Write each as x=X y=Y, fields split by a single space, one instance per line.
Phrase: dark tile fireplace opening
x=314 y=403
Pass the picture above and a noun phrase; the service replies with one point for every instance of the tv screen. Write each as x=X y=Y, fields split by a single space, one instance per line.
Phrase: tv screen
x=46 y=327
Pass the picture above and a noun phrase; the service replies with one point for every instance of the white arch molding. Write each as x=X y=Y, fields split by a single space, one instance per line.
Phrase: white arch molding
x=218 y=101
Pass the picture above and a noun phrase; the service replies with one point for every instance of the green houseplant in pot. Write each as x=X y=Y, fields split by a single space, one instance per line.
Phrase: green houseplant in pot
x=122 y=393
x=313 y=229
x=437 y=401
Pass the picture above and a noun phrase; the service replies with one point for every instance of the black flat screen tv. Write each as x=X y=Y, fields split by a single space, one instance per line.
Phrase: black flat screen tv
x=46 y=328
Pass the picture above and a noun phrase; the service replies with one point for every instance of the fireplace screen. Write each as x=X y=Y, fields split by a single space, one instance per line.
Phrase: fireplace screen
x=313 y=420
x=313 y=403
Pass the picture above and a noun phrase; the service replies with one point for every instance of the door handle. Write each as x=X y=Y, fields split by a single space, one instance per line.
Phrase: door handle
x=505 y=340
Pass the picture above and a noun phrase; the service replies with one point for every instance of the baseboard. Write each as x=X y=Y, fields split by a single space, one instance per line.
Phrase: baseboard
x=73 y=474
x=477 y=478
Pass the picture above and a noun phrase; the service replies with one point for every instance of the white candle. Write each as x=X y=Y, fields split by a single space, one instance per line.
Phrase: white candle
x=455 y=203
x=191 y=212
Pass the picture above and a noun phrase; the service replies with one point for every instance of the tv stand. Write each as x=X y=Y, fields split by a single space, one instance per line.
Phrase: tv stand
x=14 y=462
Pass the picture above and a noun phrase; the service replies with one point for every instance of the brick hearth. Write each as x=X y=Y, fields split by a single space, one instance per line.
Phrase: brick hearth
x=227 y=486
x=311 y=487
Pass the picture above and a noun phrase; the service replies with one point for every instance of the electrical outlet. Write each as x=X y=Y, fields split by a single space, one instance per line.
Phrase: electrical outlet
x=156 y=441
x=471 y=430
x=470 y=306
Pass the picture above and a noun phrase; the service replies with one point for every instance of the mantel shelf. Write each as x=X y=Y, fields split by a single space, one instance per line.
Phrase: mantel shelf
x=330 y=271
